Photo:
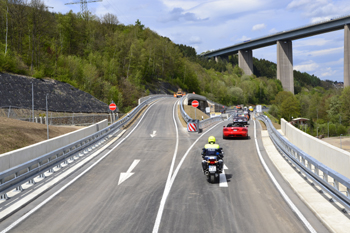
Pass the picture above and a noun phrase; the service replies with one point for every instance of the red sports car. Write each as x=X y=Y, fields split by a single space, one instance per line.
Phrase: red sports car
x=236 y=129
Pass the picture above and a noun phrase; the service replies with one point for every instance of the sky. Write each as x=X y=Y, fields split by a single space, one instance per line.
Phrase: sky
x=213 y=24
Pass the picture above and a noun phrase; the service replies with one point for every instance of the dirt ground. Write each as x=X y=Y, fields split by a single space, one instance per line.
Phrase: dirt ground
x=335 y=141
x=344 y=143
x=193 y=113
x=15 y=134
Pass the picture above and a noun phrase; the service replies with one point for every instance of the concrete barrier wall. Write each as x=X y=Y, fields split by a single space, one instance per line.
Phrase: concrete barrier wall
x=331 y=156
x=22 y=155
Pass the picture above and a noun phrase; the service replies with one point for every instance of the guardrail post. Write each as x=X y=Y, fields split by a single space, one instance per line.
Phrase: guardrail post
x=325 y=177
x=336 y=184
x=4 y=196
x=31 y=181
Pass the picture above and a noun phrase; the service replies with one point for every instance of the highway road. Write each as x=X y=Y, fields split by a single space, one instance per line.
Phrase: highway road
x=164 y=189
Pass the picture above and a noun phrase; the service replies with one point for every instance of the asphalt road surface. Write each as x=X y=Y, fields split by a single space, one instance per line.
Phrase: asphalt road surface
x=167 y=170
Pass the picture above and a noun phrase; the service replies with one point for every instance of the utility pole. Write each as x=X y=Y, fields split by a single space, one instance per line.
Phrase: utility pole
x=47 y=119
x=83 y=6
x=7 y=29
x=33 y=101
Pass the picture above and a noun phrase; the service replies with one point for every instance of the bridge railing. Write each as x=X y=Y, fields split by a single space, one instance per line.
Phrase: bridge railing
x=329 y=180
x=26 y=172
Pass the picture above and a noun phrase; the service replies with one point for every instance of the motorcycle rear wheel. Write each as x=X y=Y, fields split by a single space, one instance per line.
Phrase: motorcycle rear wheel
x=212 y=178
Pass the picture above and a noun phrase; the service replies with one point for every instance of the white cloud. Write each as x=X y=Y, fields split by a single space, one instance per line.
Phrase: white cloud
x=328 y=72
x=273 y=30
x=195 y=40
x=311 y=42
x=306 y=67
x=243 y=38
x=215 y=8
x=325 y=52
x=339 y=62
x=259 y=26
x=179 y=14
x=320 y=10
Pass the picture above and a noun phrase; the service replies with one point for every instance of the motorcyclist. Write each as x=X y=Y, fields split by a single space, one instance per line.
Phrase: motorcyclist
x=212 y=149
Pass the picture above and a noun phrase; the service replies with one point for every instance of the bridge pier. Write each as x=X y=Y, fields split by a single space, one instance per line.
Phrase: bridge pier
x=245 y=61
x=346 y=55
x=285 y=64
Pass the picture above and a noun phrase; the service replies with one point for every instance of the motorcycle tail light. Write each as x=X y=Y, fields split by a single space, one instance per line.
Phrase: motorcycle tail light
x=212 y=161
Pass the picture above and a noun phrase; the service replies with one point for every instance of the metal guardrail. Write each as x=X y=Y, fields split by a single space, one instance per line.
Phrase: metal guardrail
x=202 y=123
x=17 y=176
x=330 y=181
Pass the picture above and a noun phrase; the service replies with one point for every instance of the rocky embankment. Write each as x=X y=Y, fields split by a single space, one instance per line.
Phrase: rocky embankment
x=16 y=91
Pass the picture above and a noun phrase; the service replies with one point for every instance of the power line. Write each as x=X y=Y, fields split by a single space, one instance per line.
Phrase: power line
x=125 y=17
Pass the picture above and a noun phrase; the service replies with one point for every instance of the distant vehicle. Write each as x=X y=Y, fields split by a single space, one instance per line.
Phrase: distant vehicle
x=179 y=93
x=238 y=107
x=251 y=108
x=246 y=114
x=241 y=119
x=236 y=129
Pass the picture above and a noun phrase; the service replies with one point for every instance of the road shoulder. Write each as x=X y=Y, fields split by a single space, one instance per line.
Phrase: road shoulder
x=328 y=213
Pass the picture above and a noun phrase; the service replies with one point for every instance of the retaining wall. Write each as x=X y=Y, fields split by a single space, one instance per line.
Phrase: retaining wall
x=331 y=156
x=22 y=155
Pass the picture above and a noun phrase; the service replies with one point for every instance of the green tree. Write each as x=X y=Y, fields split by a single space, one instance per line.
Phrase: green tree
x=290 y=108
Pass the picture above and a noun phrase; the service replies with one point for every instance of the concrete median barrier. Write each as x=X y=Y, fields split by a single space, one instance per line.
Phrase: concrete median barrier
x=331 y=156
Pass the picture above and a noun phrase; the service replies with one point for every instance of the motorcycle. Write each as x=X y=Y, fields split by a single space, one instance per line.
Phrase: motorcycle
x=212 y=164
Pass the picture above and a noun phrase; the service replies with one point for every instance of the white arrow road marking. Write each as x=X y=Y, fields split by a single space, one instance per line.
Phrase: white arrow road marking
x=154 y=134
x=125 y=175
x=223 y=181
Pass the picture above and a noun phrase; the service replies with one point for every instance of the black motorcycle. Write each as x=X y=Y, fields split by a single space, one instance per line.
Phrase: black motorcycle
x=212 y=163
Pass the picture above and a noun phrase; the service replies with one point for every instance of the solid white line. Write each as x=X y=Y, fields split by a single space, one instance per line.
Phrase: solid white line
x=160 y=210
x=71 y=182
x=170 y=182
x=279 y=188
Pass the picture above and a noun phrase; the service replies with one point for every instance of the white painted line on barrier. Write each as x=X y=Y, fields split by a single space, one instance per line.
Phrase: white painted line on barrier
x=11 y=202
x=2 y=214
x=223 y=181
x=279 y=188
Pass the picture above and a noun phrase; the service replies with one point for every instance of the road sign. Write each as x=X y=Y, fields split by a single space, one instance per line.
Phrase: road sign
x=195 y=103
x=112 y=106
x=258 y=108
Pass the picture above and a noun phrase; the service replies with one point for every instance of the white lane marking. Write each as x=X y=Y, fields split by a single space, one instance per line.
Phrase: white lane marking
x=171 y=181
x=72 y=181
x=279 y=188
x=223 y=181
x=125 y=175
x=160 y=210
x=154 y=134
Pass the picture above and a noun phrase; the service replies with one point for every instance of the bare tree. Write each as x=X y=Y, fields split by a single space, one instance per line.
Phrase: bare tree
x=110 y=19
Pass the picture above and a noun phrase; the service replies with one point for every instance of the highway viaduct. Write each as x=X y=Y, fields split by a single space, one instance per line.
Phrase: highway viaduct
x=285 y=49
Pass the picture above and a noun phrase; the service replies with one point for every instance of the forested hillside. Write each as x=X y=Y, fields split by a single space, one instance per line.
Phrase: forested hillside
x=113 y=61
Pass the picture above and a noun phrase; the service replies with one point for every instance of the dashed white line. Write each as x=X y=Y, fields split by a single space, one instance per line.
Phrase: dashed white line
x=170 y=182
